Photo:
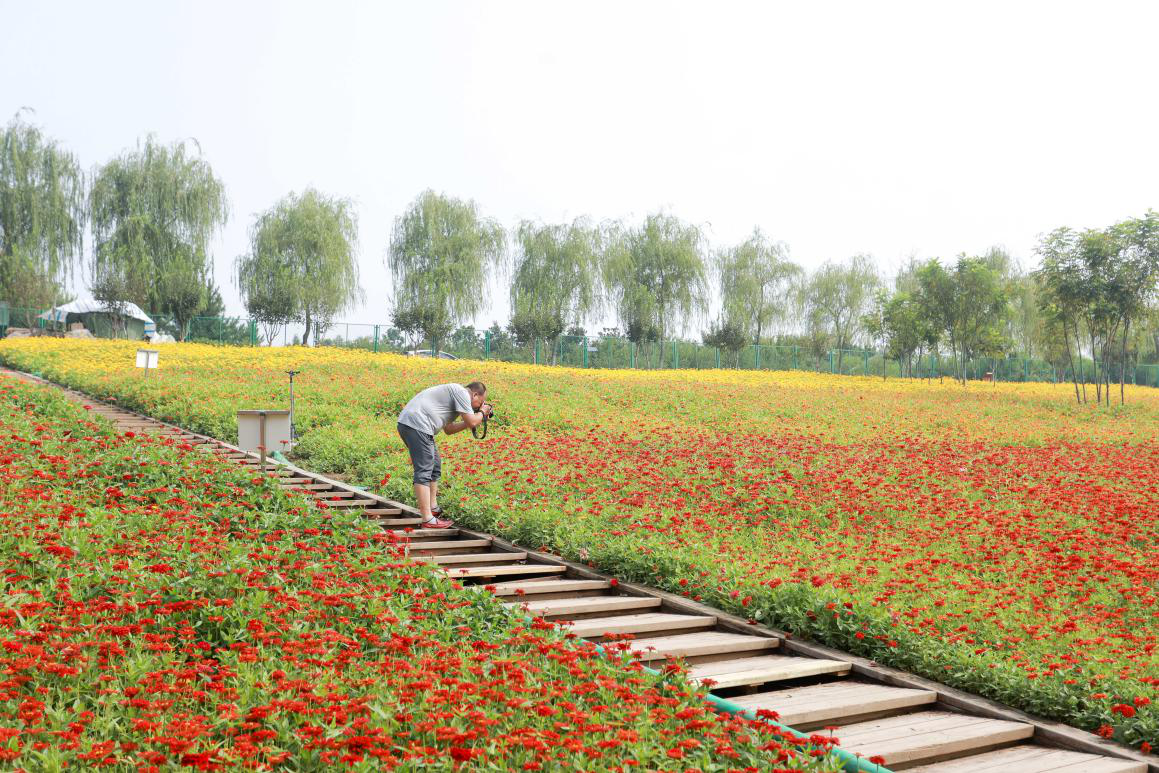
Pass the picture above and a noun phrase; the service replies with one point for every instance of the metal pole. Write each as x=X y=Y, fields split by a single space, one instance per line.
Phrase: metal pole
x=487 y=345
x=293 y=429
x=262 y=440
x=585 y=345
x=794 y=356
x=718 y=358
x=376 y=339
x=675 y=355
x=758 y=358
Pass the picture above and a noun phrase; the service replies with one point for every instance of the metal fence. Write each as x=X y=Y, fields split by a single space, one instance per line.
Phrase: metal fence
x=599 y=351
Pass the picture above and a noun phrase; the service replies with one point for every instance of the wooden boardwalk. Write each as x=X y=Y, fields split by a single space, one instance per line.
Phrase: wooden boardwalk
x=913 y=723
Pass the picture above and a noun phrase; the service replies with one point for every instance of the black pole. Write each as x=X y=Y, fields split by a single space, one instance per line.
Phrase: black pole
x=293 y=429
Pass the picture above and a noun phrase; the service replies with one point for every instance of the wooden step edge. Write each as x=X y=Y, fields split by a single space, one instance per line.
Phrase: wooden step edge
x=532 y=589
x=502 y=571
x=472 y=558
x=647 y=622
x=786 y=667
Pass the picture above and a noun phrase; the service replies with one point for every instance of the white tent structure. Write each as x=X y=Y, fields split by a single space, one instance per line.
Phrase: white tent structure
x=99 y=319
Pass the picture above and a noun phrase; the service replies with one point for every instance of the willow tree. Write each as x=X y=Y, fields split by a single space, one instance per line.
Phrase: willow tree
x=656 y=277
x=556 y=281
x=42 y=216
x=302 y=264
x=836 y=299
x=756 y=278
x=440 y=252
x=154 y=211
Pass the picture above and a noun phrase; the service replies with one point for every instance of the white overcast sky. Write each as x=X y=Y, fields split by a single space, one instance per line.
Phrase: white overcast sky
x=895 y=129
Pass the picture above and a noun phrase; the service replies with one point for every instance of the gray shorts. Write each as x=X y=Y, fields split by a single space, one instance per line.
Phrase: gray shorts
x=424 y=454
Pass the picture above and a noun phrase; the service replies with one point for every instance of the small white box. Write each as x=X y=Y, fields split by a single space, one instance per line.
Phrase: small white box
x=249 y=427
x=147 y=358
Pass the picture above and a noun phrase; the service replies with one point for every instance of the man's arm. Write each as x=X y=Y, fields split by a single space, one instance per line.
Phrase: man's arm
x=468 y=421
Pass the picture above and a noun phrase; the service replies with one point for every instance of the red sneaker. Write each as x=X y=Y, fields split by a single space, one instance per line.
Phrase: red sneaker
x=437 y=523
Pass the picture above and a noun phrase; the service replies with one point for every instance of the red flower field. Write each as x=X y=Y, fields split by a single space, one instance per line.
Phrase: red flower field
x=160 y=608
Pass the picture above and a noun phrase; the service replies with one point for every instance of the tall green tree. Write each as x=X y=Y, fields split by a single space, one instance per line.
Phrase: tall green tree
x=302 y=264
x=756 y=278
x=836 y=299
x=978 y=311
x=896 y=320
x=1064 y=296
x=42 y=215
x=556 y=282
x=656 y=277
x=966 y=305
x=1135 y=278
x=154 y=212
x=441 y=251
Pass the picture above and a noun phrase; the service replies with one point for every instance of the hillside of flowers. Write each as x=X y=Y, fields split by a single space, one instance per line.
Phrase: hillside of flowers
x=996 y=537
x=161 y=609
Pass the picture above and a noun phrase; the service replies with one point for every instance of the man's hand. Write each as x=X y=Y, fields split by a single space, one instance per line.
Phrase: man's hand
x=487 y=410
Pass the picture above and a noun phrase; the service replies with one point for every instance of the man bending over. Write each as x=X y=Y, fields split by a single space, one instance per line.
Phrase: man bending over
x=421 y=419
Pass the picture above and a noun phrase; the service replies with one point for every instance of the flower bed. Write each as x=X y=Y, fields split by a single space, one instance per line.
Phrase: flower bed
x=160 y=607
x=998 y=538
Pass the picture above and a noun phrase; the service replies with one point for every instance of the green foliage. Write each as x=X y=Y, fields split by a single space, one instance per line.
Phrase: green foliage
x=440 y=252
x=898 y=323
x=556 y=280
x=302 y=264
x=656 y=276
x=42 y=215
x=154 y=211
x=728 y=336
x=755 y=281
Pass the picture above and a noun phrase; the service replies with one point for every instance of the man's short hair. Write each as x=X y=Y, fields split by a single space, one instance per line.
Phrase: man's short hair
x=477 y=388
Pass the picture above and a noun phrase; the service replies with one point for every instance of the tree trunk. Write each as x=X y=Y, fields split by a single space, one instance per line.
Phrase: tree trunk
x=1095 y=375
x=1123 y=364
x=1082 y=367
x=306 y=335
x=1073 y=375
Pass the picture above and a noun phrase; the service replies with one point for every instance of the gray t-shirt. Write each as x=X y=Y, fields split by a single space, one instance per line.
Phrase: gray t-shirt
x=432 y=409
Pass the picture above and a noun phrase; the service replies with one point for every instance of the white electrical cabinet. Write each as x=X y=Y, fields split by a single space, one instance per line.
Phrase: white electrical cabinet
x=277 y=430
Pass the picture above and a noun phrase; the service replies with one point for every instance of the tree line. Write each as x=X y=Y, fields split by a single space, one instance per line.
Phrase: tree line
x=1088 y=310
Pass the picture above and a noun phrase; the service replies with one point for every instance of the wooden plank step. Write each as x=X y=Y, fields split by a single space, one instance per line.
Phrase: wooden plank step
x=350 y=503
x=1034 y=759
x=312 y=486
x=474 y=558
x=835 y=702
x=648 y=622
x=464 y=572
x=423 y=546
x=391 y=523
x=423 y=535
x=380 y=511
x=564 y=608
x=699 y=644
x=537 y=587
x=328 y=495
x=766 y=668
x=928 y=736
x=293 y=480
